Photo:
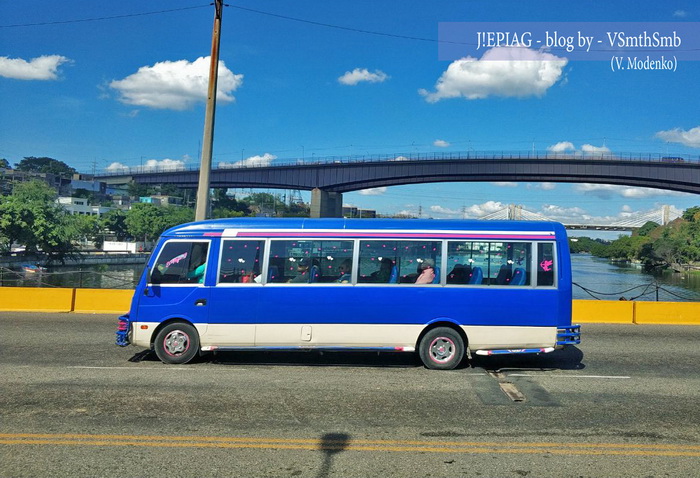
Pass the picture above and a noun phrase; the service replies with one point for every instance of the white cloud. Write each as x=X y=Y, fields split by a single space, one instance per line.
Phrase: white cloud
x=680 y=14
x=479 y=210
x=373 y=191
x=505 y=71
x=542 y=186
x=443 y=211
x=590 y=149
x=561 y=147
x=150 y=165
x=399 y=158
x=41 y=68
x=116 y=167
x=440 y=143
x=505 y=184
x=608 y=191
x=358 y=75
x=163 y=164
x=175 y=85
x=253 y=161
x=690 y=137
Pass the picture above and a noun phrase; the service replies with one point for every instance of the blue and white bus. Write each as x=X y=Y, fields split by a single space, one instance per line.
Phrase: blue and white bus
x=441 y=288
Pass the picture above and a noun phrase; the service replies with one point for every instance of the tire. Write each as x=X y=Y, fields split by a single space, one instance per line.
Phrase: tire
x=442 y=348
x=177 y=343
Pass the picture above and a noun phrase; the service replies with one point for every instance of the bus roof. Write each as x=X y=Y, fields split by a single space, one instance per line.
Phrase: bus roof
x=213 y=227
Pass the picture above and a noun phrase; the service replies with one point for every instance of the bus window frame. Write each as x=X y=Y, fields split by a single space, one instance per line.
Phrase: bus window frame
x=268 y=251
x=443 y=261
x=557 y=265
x=263 y=269
x=149 y=283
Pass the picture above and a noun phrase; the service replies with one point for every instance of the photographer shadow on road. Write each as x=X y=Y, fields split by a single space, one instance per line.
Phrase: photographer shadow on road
x=568 y=358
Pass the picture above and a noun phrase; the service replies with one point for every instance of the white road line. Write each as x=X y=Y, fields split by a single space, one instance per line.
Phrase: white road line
x=569 y=376
x=131 y=368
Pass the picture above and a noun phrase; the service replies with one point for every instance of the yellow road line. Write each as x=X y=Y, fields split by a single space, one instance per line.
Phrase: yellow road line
x=351 y=445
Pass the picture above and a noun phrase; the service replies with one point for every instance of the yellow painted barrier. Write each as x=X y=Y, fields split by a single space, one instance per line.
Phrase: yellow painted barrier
x=33 y=299
x=602 y=311
x=676 y=313
x=102 y=300
x=113 y=301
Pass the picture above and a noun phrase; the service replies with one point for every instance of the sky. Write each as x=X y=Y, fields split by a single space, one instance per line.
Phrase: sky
x=103 y=85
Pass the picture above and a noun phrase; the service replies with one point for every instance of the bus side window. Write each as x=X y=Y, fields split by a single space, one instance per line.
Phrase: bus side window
x=546 y=264
x=310 y=261
x=241 y=261
x=181 y=262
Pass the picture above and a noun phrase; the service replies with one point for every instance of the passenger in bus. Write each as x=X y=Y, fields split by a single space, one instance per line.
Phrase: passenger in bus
x=427 y=275
x=302 y=272
x=198 y=264
x=344 y=271
x=459 y=274
x=384 y=273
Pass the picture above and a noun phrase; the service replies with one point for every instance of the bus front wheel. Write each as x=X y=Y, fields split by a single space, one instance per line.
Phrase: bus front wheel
x=177 y=343
x=442 y=348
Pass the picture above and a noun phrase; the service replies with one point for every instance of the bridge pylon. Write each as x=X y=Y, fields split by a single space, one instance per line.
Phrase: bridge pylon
x=326 y=203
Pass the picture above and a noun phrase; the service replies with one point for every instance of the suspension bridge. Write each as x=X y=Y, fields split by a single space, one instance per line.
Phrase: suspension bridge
x=633 y=221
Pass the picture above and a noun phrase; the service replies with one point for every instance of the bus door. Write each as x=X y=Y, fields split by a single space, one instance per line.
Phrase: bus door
x=235 y=299
x=175 y=284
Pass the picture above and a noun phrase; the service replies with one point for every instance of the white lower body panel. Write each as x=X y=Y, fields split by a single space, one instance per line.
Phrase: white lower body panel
x=350 y=335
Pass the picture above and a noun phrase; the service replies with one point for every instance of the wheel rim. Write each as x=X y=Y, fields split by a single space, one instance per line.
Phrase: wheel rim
x=442 y=350
x=176 y=343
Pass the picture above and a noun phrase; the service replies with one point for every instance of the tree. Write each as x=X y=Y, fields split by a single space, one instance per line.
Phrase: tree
x=45 y=165
x=144 y=221
x=115 y=222
x=647 y=228
x=4 y=163
x=30 y=216
x=147 y=222
x=137 y=190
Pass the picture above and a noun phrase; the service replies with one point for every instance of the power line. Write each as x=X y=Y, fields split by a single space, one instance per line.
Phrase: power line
x=350 y=29
x=96 y=19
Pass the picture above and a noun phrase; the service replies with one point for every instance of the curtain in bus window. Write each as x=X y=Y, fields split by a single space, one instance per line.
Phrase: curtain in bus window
x=311 y=261
x=394 y=262
x=181 y=262
x=241 y=261
x=546 y=264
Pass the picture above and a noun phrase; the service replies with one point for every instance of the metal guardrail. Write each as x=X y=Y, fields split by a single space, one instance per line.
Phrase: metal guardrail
x=679 y=159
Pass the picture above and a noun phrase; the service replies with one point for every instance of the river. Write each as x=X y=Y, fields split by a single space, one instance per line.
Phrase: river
x=592 y=277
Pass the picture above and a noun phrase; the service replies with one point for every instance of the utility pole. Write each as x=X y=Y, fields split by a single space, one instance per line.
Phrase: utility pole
x=202 y=208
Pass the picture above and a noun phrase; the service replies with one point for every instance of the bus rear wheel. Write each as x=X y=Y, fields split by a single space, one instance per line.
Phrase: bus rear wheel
x=177 y=343
x=442 y=348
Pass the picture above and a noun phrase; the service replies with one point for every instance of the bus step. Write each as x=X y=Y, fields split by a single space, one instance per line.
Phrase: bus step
x=544 y=350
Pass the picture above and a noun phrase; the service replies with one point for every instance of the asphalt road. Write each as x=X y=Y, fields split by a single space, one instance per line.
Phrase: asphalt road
x=623 y=403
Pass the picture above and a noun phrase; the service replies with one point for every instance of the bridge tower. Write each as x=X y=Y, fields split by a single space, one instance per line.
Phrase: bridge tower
x=326 y=203
x=665 y=214
x=515 y=212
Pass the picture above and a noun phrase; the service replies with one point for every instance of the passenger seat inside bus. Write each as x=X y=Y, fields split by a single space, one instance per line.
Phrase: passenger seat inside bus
x=518 y=277
x=314 y=273
x=394 y=276
x=476 y=276
x=273 y=274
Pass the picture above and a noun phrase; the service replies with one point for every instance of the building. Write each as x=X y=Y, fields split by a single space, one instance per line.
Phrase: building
x=354 y=212
x=82 y=207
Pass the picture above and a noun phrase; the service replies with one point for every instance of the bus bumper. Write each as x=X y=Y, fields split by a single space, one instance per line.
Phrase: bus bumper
x=569 y=335
x=123 y=331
